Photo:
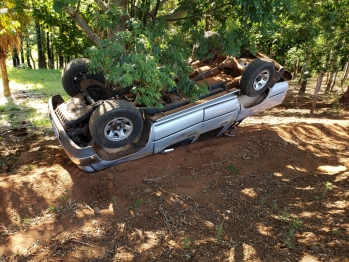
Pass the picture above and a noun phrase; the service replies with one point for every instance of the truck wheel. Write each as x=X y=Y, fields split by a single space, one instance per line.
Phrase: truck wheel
x=257 y=77
x=75 y=71
x=115 y=123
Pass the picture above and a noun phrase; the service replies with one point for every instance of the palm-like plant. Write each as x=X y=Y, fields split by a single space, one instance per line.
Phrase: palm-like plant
x=12 y=17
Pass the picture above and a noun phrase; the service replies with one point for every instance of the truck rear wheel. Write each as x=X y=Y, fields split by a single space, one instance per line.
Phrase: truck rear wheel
x=76 y=71
x=257 y=77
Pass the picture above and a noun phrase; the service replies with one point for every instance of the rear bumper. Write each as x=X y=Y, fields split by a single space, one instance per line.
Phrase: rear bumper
x=80 y=156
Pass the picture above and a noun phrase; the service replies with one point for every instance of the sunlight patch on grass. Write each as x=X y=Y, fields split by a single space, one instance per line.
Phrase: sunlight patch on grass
x=30 y=90
x=3 y=100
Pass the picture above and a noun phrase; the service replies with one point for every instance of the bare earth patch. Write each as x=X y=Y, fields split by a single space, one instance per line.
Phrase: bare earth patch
x=277 y=191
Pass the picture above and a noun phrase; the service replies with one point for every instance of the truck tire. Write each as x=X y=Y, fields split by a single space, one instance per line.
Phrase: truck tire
x=115 y=123
x=257 y=77
x=75 y=71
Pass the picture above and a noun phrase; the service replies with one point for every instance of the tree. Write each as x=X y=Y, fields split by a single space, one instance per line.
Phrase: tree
x=60 y=38
x=11 y=16
x=144 y=45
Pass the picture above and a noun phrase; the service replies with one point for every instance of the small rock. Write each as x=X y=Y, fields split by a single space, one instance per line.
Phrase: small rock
x=338 y=244
x=110 y=184
x=109 y=176
x=314 y=248
x=97 y=211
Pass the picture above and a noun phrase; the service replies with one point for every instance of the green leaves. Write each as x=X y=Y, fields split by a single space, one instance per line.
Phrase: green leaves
x=155 y=60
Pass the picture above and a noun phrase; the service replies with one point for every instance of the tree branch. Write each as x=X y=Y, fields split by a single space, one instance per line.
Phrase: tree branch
x=77 y=7
x=159 y=4
x=176 y=16
x=82 y=23
x=101 y=5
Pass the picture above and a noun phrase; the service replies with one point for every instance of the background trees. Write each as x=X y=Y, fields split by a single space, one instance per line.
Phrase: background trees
x=12 y=18
x=131 y=39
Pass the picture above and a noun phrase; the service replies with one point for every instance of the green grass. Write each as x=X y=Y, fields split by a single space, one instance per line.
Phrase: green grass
x=37 y=86
x=187 y=243
x=41 y=80
x=137 y=203
x=219 y=234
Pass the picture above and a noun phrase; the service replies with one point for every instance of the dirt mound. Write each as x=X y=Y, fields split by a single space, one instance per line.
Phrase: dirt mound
x=273 y=192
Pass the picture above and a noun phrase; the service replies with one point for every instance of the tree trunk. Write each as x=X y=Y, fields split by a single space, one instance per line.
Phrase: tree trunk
x=305 y=73
x=51 y=61
x=84 y=26
x=327 y=77
x=345 y=99
x=31 y=57
x=41 y=55
x=22 y=52
x=317 y=89
x=15 y=58
x=334 y=81
x=296 y=69
x=329 y=83
x=5 y=82
x=345 y=73
x=28 y=51
x=61 y=62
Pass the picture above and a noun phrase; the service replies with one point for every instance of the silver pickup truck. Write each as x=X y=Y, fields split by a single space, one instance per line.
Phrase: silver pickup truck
x=101 y=126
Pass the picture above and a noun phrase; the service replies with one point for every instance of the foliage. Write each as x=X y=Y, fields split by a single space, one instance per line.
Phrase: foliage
x=66 y=38
x=232 y=168
x=187 y=243
x=146 y=44
x=150 y=57
x=137 y=203
x=154 y=60
x=219 y=235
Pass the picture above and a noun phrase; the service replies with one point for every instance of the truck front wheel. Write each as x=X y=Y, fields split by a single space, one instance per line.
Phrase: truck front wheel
x=115 y=123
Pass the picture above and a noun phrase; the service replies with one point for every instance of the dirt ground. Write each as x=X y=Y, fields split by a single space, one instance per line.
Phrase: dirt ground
x=277 y=191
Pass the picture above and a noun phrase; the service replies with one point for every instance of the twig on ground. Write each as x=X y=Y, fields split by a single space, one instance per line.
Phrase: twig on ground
x=82 y=243
x=178 y=212
x=88 y=207
x=155 y=179
x=165 y=219
x=202 y=166
x=66 y=241
x=214 y=163
x=8 y=234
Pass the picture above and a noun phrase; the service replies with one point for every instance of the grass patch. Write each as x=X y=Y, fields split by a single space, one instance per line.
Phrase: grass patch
x=31 y=90
x=8 y=107
x=42 y=80
x=219 y=234
x=137 y=203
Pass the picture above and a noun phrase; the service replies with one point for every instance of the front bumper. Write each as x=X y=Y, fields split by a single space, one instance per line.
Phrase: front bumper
x=83 y=157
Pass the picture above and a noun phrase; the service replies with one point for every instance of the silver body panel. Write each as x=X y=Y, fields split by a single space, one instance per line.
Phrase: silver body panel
x=183 y=125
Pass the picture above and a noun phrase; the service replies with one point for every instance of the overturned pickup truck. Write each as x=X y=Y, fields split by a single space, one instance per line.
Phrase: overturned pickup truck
x=100 y=126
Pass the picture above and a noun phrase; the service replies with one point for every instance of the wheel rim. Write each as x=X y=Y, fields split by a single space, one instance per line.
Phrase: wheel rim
x=118 y=129
x=261 y=80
